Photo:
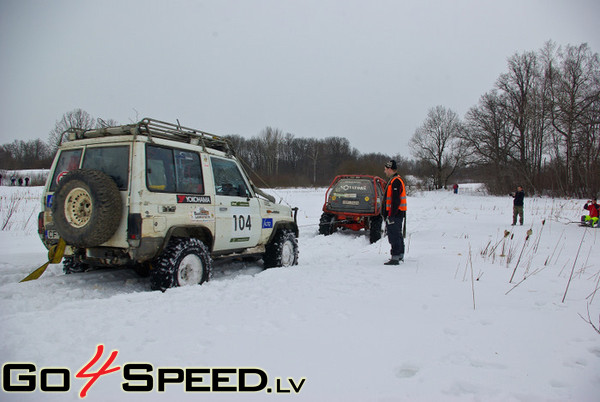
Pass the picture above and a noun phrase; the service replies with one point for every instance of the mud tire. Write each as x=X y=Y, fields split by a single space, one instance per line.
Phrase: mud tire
x=282 y=251
x=327 y=224
x=86 y=208
x=185 y=261
x=375 y=224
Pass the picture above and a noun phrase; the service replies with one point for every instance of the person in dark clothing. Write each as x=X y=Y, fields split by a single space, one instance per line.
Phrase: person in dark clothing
x=518 y=207
x=394 y=212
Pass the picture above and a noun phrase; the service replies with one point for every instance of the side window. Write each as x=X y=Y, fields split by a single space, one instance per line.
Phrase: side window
x=379 y=193
x=228 y=178
x=68 y=160
x=114 y=161
x=189 y=172
x=160 y=174
x=379 y=190
x=172 y=170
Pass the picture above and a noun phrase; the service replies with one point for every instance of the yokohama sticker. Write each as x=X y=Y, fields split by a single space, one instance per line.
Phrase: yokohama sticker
x=193 y=199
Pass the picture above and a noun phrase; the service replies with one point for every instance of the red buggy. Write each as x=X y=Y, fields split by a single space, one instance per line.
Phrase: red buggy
x=354 y=202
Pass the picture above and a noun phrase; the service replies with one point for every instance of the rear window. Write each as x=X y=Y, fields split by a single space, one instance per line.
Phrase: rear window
x=67 y=161
x=114 y=161
x=353 y=188
x=353 y=196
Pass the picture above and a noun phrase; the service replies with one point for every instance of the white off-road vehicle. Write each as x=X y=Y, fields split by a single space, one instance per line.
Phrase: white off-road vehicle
x=163 y=199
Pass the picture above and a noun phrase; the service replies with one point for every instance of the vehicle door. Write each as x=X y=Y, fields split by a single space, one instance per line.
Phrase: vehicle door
x=237 y=210
x=112 y=160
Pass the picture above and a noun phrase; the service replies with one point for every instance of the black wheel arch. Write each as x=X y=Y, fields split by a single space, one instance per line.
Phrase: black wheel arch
x=201 y=233
x=279 y=226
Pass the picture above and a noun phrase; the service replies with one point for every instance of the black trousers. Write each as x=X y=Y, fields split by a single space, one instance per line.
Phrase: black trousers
x=394 y=232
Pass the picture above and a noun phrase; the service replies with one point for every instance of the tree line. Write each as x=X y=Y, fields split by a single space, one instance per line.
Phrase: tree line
x=275 y=158
x=538 y=127
x=272 y=158
x=38 y=154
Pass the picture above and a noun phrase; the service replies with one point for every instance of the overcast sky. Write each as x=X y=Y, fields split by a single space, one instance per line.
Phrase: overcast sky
x=365 y=70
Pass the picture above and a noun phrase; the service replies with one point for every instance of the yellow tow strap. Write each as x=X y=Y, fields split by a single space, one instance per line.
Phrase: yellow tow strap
x=55 y=255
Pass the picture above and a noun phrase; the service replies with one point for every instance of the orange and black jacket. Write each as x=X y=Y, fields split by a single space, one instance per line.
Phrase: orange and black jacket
x=395 y=197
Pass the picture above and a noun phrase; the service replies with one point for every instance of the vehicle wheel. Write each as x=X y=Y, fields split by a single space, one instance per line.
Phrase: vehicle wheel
x=183 y=262
x=282 y=251
x=327 y=224
x=375 y=228
x=86 y=208
x=73 y=266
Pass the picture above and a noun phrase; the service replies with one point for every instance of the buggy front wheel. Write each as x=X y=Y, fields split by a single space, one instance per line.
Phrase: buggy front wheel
x=327 y=224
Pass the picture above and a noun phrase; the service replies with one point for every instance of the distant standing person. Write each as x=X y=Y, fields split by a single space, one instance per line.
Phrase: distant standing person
x=519 y=197
x=455 y=187
x=27 y=181
x=394 y=211
x=20 y=181
x=13 y=180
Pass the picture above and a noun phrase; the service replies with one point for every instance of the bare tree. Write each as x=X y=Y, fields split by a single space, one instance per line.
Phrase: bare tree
x=575 y=93
x=21 y=154
x=336 y=151
x=270 y=141
x=76 y=118
x=541 y=125
x=102 y=123
x=37 y=154
x=521 y=94
x=438 y=142
x=488 y=135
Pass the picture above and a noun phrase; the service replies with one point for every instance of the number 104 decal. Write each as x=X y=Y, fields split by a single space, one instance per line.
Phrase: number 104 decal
x=241 y=222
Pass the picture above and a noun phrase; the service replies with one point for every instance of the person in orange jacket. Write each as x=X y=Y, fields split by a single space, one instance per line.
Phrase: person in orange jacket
x=394 y=211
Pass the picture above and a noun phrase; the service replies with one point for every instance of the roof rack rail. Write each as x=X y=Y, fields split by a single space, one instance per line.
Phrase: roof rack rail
x=157 y=129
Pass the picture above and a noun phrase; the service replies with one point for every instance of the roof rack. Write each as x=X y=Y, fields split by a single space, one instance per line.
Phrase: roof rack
x=157 y=129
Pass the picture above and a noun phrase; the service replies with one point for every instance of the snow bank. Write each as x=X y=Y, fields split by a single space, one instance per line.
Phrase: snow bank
x=446 y=325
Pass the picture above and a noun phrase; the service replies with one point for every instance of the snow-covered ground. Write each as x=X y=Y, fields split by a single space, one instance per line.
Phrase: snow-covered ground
x=445 y=325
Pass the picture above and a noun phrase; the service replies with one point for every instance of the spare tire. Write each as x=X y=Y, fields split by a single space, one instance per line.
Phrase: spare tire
x=86 y=208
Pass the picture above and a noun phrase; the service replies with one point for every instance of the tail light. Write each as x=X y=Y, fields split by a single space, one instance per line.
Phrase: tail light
x=41 y=223
x=134 y=227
